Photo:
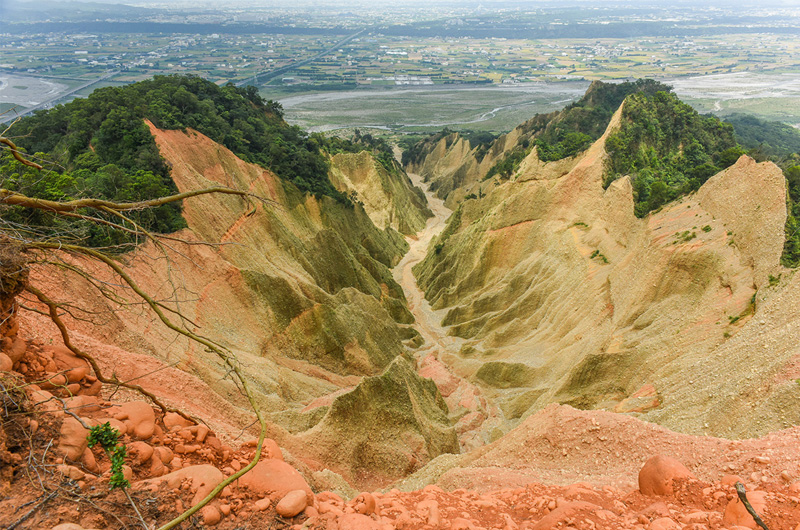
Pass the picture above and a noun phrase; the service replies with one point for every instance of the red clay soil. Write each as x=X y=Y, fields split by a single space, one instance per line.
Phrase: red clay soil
x=561 y=468
x=51 y=478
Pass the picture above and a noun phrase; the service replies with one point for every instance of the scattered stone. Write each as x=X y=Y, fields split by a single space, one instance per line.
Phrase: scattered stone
x=737 y=514
x=263 y=504
x=365 y=503
x=203 y=478
x=357 y=521
x=657 y=474
x=139 y=418
x=140 y=452
x=71 y=472
x=174 y=421
x=6 y=364
x=664 y=523
x=275 y=478
x=292 y=503
x=211 y=515
x=72 y=442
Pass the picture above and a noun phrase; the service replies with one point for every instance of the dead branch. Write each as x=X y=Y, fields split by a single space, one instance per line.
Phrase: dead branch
x=227 y=357
x=30 y=512
x=13 y=198
x=53 y=307
x=742 y=493
x=15 y=152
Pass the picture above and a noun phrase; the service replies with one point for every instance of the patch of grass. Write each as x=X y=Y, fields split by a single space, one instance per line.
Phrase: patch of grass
x=706 y=228
x=599 y=256
x=774 y=280
x=684 y=237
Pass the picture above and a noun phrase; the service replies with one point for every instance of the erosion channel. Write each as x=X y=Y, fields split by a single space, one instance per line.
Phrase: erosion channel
x=473 y=414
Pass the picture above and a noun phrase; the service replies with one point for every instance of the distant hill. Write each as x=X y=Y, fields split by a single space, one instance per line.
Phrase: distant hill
x=772 y=138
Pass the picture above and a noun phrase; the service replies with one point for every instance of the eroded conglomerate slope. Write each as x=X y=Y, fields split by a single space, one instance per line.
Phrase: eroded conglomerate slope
x=564 y=295
x=298 y=287
x=389 y=197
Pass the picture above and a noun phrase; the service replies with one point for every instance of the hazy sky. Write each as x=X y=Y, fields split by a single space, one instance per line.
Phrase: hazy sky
x=488 y=3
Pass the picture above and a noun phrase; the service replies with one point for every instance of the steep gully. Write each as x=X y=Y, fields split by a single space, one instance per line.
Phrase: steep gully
x=472 y=413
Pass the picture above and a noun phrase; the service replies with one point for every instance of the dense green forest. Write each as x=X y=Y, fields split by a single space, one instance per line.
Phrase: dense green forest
x=566 y=133
x=768 y=138
x=100 y=146
x=667 y=148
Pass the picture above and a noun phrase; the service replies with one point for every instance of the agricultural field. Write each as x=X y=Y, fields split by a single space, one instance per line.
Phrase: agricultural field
x=411 y=69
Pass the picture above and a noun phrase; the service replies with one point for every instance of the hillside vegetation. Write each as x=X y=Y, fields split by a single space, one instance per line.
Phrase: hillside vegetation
x=571 y=131
x=101 y=147
x=667 y=148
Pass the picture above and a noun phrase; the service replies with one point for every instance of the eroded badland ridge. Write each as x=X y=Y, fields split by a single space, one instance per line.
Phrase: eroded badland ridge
x=508 y=353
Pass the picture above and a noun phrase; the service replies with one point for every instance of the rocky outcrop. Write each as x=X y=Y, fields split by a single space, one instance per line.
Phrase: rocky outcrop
x=298 y=287
x=388 y=196
x=406 y=419
x=563 y=295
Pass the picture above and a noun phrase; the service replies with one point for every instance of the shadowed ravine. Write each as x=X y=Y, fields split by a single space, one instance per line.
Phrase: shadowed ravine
x=438 y=357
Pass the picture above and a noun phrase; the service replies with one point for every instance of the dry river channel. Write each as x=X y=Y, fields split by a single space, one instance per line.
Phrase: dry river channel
x=438 y=358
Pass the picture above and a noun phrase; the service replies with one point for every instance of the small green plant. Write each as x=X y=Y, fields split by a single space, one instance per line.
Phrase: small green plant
x=438 y=248
x=599 y=255
x=470 y=196
x=684 y=237
x=706 y=228
x=581 y=224
x=106 y=436
x=774 y=280
x=727 y=335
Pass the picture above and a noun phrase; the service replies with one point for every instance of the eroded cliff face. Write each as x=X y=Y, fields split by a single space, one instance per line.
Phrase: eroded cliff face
x=453 y=168
x=299 y=288
x=389 y=197
x=563 y=295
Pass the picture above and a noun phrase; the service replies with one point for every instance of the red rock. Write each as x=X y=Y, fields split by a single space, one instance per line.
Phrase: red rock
x=202 y=432
x=263 y=504
x=72 y=442
x=94 y=389
x=429 y=511
x=271 y=450
x=82 y=404
x=174 y=421
x=53 y=380
x=71 y=472
x=292 y=503
x=275 y=478
x=565 y=511
x=211 y=515
x=328 y=507
x=157 y=468
x=644 y=399
x=89 y=461
x=141 y=452
x=365 y=503
x=139 y=418
x=664 y=523
x=737 y=514
x=204 y=478
x=730 y=480
x=657 y=474
x=17 y=350
x=357 y=521
x=164 y=453
x=6 y=364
